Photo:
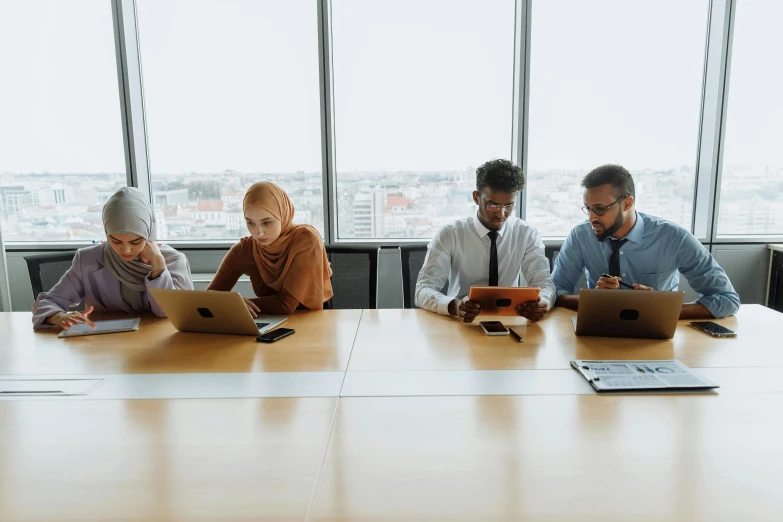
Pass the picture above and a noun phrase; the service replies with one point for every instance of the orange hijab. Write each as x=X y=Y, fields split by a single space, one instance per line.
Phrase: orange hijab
x=296 y=261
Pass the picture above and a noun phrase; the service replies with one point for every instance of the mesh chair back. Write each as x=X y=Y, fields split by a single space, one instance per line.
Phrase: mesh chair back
x=354 y=276
x=775 y=295
x=412 y=259
x=46 y=270
x=551 y=254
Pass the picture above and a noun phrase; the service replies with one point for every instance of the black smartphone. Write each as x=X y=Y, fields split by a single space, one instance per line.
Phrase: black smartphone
x=275 y=335
x=714 y=329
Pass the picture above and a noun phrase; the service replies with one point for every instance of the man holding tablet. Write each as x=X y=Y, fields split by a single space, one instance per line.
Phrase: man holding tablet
x=618 y=246
x=490 y=248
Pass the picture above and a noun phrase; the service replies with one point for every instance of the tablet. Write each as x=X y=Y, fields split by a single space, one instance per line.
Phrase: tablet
x=102 y=327
x=502 y=300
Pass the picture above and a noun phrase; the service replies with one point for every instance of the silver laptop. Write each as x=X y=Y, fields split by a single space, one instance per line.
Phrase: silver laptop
x=628 y=313
x=212 y=312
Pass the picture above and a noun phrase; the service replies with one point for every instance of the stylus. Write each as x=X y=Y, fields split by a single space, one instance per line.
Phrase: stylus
x=615 y=277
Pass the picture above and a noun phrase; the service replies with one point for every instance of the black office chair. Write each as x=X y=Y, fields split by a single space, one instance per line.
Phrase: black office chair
x=551 y=253
x=775 y=296
x=47 y=269
x=354 y=276
x=412 y=259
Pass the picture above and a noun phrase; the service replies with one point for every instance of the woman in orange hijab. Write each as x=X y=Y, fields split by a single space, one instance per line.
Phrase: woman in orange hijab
x=286 y=263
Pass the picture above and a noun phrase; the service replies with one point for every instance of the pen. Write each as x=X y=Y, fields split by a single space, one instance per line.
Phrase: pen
x=614 y=277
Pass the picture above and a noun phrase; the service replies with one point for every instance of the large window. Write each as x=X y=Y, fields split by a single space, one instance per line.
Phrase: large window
x=231 y=95
x=751 y=200
x=61 y=152
x=423 y=96
x=613 y=81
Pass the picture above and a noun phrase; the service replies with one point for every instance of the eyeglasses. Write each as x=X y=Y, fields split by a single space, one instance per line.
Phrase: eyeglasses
x=600 y=211
x=494 y=207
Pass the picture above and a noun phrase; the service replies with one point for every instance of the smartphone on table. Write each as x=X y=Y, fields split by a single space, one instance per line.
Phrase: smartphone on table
x=275 y=335
x=493 y=328
x=713 y=329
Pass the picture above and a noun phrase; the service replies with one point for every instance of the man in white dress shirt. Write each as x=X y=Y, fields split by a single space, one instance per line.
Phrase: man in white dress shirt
x=490 y=248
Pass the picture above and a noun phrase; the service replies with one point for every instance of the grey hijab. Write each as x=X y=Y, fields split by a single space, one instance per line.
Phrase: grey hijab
x=129 y=212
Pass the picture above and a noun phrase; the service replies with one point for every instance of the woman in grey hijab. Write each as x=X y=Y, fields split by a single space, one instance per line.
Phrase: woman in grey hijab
x=116 y=275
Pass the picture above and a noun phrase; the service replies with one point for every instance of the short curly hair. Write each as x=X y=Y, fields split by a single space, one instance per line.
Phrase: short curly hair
x=500 y=175
x=615 y=175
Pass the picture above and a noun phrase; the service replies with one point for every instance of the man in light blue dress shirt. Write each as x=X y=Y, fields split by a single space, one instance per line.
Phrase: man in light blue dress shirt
x=644 y=251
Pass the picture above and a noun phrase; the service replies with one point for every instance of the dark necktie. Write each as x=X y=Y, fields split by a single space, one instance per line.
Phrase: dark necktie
x=493 y=258
x=614 y=261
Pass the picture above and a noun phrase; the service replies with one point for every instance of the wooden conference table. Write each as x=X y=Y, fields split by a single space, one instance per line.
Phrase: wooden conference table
x=388 y=415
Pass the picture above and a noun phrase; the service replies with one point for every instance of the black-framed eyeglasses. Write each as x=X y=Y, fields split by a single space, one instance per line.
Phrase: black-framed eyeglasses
x=494 y=207
x=600 y=211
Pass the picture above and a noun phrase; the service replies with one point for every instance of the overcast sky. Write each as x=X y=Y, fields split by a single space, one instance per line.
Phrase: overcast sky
x=419 y=84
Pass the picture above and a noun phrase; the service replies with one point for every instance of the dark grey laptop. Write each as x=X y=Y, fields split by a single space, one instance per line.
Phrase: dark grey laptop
x=628 y=313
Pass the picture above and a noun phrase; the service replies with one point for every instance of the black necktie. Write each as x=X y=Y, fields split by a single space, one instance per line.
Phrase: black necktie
x=493 y=258
x=614 y=261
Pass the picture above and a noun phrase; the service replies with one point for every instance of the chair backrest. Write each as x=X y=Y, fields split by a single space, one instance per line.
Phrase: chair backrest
x=47 y=269
x=354 y=276
x=551 y=254
x=412 y=259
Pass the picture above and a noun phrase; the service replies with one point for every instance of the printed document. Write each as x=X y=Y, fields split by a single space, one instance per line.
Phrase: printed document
x=640 y=375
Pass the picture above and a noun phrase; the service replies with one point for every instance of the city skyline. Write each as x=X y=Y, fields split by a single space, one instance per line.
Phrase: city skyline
x=369 y=205
x=232 y=93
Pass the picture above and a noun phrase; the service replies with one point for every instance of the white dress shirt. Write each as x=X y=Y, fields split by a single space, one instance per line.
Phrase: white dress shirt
x=459 y=256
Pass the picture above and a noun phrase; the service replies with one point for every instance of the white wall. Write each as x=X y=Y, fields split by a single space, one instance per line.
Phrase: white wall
x=748 y=269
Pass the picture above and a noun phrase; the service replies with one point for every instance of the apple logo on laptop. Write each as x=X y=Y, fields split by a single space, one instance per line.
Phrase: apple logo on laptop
x=205 y=313
x=629 y=315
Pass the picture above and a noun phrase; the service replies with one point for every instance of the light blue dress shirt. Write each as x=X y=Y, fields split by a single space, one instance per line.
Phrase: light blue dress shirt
x=656 y=252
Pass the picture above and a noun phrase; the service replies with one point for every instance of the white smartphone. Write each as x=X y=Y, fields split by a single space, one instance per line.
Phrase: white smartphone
x=493 y=328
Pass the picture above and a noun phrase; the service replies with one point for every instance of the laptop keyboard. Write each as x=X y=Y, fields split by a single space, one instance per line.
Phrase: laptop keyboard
x=262 y=325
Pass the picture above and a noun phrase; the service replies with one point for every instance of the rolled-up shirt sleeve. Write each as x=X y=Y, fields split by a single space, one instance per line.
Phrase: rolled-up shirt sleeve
x=706 y=277
x=569 y=266
x=535 y=269
x=434 y=274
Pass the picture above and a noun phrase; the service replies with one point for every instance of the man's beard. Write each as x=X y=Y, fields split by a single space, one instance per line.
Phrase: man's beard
x=619 y=222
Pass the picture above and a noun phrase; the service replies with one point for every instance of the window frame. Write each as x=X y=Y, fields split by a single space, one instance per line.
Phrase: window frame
x=715 y=237
x=709 y=153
